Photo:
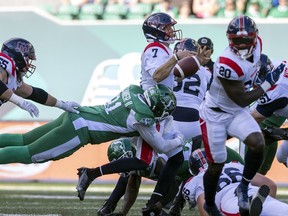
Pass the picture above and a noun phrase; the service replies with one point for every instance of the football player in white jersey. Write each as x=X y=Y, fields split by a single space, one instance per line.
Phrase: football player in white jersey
x=159 y=31
x=16 y=58
x=224 y=111
x=273 y=103
x=262 y=189
x=190 y=92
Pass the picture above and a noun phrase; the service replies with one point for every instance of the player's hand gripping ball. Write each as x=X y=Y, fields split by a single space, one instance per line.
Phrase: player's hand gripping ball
x=186 y=67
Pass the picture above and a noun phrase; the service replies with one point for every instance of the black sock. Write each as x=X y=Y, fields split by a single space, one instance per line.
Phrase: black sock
x=119 y=190
x=253 y=161
x=210 y=182
x=118 y=166
x=166 y=176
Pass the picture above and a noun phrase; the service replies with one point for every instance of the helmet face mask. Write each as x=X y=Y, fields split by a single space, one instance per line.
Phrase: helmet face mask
x=198 y=162
x=160 y=27
x=121 y=148
x=161 y=101
x=242 y=35
x=23 y=54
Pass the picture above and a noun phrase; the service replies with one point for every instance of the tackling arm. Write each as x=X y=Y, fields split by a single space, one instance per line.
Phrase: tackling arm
x=41 y=96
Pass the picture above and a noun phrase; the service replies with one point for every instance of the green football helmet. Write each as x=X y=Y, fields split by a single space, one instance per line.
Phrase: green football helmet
x=121 y=148
x=161 y=100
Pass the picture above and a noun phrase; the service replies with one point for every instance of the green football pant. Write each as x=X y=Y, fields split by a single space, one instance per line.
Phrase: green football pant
x=52 y=141
x=270 y=148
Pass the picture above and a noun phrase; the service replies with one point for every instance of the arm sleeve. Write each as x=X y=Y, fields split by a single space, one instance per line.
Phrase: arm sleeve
x=156 y=140
x=3 y=88
x=38 y=95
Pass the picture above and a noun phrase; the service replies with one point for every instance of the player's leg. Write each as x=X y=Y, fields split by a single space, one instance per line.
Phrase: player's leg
x=45 y=147
x=270 y=146
x=282 y=153
x=252 y=136
x=274 y=207
x=258 y=200
x=26 y=138
x=111 y=203
x=214 y=138
x=141 y=162
x=165 y=179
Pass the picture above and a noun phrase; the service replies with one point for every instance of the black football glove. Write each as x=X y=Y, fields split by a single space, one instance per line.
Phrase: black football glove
x=275 y=134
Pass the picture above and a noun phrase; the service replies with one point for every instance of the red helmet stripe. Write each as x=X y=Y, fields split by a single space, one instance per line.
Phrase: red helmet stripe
x=231 y=64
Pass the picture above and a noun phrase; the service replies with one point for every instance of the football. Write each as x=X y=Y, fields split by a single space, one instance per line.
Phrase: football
x=186 y=67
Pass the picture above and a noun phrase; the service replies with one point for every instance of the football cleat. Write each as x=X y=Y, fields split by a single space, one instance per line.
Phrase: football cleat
x=151 y=210
x=242 y=193
x=177 y=206
x=212 y=211
x=83 y=182
x=107 y=208
x=258 y=199
x=115 y=214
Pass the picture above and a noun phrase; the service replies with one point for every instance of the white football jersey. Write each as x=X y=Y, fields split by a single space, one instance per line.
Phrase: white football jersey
x=154 y=55
x=231 y=173
x=275 y=100
x=190 y=92
x=232 y=67
x=8 y=64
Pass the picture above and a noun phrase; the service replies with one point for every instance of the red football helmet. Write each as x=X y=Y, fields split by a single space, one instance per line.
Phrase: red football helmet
x=242 y=35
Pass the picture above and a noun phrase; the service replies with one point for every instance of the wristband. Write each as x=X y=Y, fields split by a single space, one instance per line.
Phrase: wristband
x=265 y=86
x=3 y=87
x=59 y=104
x=176 y=57
x=38 y=95
x=16 y=99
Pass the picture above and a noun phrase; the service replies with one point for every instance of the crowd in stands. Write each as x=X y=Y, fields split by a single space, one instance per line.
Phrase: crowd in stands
x=179 y=9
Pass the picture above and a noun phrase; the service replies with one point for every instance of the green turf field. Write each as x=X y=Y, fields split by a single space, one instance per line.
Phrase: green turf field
x=60 y=199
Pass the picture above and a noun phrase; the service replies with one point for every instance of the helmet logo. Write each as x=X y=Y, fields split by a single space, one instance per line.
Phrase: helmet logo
x=23 y=47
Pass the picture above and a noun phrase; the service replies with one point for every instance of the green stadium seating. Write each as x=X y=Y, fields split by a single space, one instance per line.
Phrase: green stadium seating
x=139 y=11
x=91 y=12
x=67 y=12
x=115 y=11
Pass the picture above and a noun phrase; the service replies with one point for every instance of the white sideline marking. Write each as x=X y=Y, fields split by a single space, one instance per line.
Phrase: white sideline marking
x=67 y=197
x=30 y=215
x=65 y=188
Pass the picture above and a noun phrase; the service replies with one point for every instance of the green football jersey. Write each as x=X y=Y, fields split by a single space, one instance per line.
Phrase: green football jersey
x=115 y=119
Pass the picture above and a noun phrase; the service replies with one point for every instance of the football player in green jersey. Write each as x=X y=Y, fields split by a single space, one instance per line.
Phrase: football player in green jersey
x=124 y=148
x=133 y=112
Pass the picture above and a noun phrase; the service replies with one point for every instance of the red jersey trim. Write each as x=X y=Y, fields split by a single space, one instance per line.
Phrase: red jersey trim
x=156 y=44
x=231 y=64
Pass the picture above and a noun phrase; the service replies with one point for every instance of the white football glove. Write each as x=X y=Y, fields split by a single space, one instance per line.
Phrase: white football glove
x=68 y=106
x=25 y=105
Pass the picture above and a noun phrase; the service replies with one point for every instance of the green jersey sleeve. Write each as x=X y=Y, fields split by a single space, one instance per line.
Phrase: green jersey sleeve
x=133 y=100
